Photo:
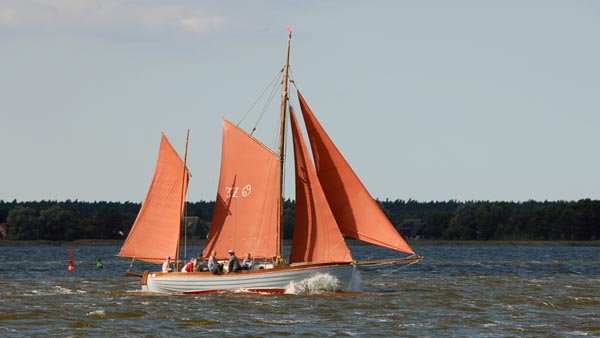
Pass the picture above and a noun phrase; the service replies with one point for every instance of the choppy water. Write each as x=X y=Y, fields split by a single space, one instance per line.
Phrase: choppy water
x=455 y=292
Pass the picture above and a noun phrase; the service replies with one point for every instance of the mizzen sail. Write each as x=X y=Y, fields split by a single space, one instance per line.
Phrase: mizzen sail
x=355 y=211
x=317 y=237
x=245 y=214
x=155 y=232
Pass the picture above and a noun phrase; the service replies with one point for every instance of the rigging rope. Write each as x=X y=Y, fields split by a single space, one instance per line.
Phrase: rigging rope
x=290 y=97
x=185 y=215
x=131 y=265
x=270 y=85
x=402 y=267
x=265 y=106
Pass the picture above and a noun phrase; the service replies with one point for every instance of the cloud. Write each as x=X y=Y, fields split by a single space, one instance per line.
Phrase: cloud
x=133 y=19
x=7 y=16
x=201 y=25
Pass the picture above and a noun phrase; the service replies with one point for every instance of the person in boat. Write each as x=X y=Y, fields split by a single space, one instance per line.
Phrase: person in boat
x=234 y=262
x=189 y=267
x=247 y=262
x=167 y=265
x=214 y=266
x=200 y=264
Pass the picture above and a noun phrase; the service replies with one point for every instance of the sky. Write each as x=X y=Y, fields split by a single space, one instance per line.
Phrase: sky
x=427 y=100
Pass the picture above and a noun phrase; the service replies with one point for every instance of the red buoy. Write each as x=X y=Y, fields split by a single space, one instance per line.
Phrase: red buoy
x=71 y=266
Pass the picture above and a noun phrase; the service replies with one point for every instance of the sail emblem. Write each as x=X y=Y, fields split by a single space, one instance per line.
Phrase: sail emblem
x=232 y=192
x=247 y=190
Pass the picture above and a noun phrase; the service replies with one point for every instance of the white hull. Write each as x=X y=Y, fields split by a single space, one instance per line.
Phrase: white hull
x=264 y=280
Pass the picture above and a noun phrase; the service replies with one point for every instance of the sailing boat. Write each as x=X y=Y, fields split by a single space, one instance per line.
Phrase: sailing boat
x=331 y=202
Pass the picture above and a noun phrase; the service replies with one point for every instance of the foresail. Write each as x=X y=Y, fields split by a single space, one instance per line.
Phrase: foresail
x=317 y=237
x=245 y=214
x=355 y=211
x=155 y=232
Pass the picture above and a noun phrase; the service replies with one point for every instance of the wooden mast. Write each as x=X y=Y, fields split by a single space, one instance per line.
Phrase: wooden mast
x=181 y=220
x=279 y=260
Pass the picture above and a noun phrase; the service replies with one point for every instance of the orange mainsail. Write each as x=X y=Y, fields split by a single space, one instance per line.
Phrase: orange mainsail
x=155 y=232
x=356 y=212
x=245 y=214
x=317 y=237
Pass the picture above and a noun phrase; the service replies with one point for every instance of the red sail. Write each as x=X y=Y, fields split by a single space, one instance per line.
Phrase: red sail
x=317 y=237
x=356 y=212
x=155 y=232
x=245 y=214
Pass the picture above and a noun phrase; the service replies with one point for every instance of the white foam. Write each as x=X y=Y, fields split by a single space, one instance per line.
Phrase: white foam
x=97 y=314
x=317 y=284
x=62 y=290
x=356 y=283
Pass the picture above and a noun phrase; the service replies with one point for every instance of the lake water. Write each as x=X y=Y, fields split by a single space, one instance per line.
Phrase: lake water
x=484 y=291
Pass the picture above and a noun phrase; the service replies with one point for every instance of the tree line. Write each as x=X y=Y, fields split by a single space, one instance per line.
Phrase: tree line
x=451 y=220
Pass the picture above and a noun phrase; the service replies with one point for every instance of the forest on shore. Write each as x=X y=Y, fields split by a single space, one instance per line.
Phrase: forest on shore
x=449 y=220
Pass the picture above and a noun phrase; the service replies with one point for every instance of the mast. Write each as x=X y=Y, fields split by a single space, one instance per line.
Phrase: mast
x=279 y=260
x=181 y=219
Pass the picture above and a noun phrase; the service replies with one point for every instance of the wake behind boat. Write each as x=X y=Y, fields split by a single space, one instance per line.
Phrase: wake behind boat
x=331 y=202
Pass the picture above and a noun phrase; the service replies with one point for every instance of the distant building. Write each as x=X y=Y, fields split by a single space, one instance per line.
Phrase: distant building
x=412 y=228
x=3 y=230
x=191 y=222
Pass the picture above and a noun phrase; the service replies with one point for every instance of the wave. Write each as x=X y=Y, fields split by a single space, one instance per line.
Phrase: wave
x=317 y=284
